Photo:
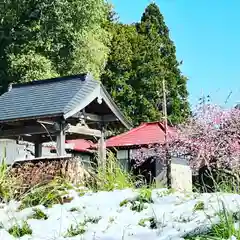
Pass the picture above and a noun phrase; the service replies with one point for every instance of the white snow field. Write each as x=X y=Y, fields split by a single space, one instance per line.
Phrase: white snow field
x=175 y=216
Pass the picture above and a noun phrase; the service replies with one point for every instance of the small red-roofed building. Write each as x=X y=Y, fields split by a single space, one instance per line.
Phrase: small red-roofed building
x=143 y=136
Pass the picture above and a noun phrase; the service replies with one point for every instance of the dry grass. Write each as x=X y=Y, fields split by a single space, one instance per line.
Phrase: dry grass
x=45 y=183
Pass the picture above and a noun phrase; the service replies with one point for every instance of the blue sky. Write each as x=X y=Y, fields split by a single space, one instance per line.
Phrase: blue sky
x=207 y=37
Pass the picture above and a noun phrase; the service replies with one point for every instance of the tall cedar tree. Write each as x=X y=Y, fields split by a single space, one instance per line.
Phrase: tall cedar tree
x=152 y=24
x=141 y=56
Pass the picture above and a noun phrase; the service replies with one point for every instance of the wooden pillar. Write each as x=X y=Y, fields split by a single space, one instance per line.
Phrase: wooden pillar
x=102 y=152
x=37 y=149
x=61 y=142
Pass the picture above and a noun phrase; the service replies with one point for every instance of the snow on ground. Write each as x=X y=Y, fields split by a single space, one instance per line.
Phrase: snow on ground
x=175 y=214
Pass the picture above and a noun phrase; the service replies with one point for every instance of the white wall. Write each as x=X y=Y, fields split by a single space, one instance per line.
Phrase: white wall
x=11 y=151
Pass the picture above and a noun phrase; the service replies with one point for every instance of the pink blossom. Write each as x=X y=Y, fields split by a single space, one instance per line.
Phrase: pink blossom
x=210 y=137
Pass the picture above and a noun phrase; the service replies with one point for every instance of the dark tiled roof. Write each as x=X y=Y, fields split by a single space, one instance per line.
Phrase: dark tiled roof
x=46 y=97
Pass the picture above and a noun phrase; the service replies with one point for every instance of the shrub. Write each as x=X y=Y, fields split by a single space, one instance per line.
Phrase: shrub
x=38 y=214
x=19 y=231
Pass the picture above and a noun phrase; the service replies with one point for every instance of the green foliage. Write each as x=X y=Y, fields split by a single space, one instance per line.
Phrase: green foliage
x=31 y=66
x=138 y=204
x=152 y=220
x=145 y=195
x=198 y=206
x=75 y=230
x=74 y=209
x=141 y=56
x=111 y=176
x=8 y=184
x=142 y=222
x=165 y=192
x=19 y=231
x=93 y=220
x=38 y=214
x=44 y=39
x=79 y=229
x=225 y=229
x=46 y=195
x=124 y=202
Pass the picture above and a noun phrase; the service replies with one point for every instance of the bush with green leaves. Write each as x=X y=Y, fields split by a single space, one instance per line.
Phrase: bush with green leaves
x=38 y=214
x=19 y=231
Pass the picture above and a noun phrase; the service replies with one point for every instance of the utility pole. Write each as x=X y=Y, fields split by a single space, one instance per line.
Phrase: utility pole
x=167 y=158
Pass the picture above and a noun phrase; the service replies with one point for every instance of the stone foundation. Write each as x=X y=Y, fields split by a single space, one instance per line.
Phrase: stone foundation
x=39 y=171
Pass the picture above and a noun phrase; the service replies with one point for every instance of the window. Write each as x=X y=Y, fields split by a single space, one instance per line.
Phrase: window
x=122 y=156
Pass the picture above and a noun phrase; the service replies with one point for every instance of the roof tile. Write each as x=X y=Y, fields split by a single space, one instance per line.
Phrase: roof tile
x=45 y=97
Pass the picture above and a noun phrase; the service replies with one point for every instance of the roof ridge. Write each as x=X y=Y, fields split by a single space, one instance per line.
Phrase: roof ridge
x=50 y=80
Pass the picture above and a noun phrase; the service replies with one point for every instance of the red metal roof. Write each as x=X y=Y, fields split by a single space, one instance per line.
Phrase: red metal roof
x=145 y=134
x=80 y=145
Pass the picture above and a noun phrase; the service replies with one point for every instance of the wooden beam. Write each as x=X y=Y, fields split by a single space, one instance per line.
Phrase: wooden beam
x=83 y=130
x=38 y=149
x=96 y=118
x=26 y=130
x=102 y=152
x=61 y=138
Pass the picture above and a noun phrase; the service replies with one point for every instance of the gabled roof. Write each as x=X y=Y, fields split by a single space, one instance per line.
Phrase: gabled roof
x=63 y=96
x=145 y=134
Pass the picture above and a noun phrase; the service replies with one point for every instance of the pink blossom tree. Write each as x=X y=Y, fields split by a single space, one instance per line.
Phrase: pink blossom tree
x=211 y=137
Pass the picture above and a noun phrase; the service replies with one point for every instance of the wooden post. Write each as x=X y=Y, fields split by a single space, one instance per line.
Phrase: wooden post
x=102 y=153
x=38 y=149
x=61 y=142
x=167 y=157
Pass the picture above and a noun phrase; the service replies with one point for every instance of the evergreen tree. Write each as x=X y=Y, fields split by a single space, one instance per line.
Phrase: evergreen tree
x=141 y=56
x=153 y=27
x=118 y=70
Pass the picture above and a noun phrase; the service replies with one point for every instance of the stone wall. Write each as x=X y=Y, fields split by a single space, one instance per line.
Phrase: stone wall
x=38 y=171
x=181 y=175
